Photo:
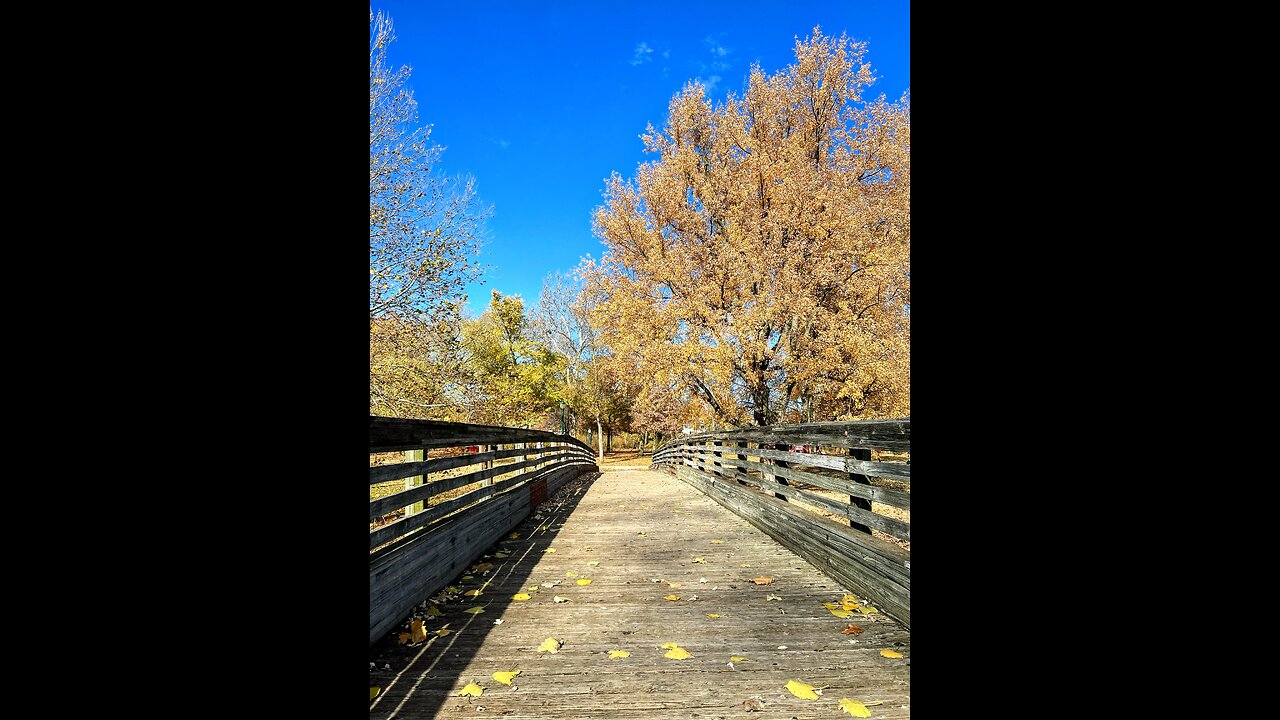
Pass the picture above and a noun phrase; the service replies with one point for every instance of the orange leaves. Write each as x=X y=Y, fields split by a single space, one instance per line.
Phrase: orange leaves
x=762 y=580
x=851 y=630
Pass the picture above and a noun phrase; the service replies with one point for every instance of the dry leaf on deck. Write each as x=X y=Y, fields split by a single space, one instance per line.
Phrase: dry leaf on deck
x=737 y=658
x=717 y=541
x=671 y=597
x=836 y=610
x=614 y=654
x=594 y=562
x=373 y=692
x=501 y=555
x=584 y=581
x=442 y=632
x=415 y=628
x=405 y=637
x=434 y=611
x=854 y=708
x=762 y=580
x=549 y=550
x=514 y=536
x=520 y=596
x=474 y=610
x=851 y=630
x=472 y=593
x=890 y=653
x=699 y=560
x=867 y=610
x=677 y=653
x=772 y=597
x=472 y=690
x=668 y=645
x=484 y=566
x=505 y=677
x=550 y=645
x=804 y=691
x=559 y=599
x=713 y=615
x=571 y=574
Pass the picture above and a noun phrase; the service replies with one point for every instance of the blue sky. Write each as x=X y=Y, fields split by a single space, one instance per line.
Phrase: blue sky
x=542 y=101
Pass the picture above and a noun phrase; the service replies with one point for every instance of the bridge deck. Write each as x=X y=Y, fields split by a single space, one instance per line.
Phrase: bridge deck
x=601 y=521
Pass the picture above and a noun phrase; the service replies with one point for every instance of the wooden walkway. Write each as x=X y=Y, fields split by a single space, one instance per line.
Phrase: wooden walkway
x=633 y=534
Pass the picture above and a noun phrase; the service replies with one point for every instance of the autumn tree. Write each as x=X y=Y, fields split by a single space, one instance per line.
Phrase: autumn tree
x=513 y=377
x=762 y=261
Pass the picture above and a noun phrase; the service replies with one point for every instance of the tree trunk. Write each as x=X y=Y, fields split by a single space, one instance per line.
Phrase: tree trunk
x=600 y=438
x=608 y=440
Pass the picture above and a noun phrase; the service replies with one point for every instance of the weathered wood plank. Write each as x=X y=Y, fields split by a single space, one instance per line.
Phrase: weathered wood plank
x=891 y=470
x=395 y=434
x=387 y=473
x=839 y=483
x=892 y=434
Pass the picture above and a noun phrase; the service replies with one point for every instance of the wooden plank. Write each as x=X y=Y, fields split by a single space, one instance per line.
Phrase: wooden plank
x=387 y=503
x=623 y=609
x=389 y=532
x=837 y=481
x=892 y=434
x=874 y=568
x=855 y=499
x=891 y=470
x=855 y=514
x=387 y=473
x=413 y=456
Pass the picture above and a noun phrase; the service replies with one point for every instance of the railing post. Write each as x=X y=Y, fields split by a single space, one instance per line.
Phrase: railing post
x=860 y=454
x=415 y=481
x=776 y=478
x=719 y=466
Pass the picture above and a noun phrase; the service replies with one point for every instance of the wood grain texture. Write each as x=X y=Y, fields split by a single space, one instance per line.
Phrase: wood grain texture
x=601 y=520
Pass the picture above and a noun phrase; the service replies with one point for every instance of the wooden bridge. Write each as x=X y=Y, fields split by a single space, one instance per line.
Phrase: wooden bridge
x=700 y=588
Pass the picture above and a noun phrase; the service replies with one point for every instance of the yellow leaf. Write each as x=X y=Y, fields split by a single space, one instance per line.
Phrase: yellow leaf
x=717 y=541
x=442 y=632
x=474 y=610
x=501 y=555
x=520 y=596
x=584 y=581
x=550 y=645
x=854 y=708
x=804 y=691
x=673 y=586
x=468 y=577
x=434 y=611
x=453 y=590
x=668 y=645
x=713 y=615
x=571 y=574
x=890 y=653
x=549 y=550
x=678 y=653
x=699 y=560
x=418 y=632
x=671 y=597
x=514 y=536
x=505 y=677
x=737 y=658
x=484 y=566
x=405 y=637
x=614 y=654
x=533 y=588
x=841 y=613
x=850 y=606
x=472 y=690
x=745 y=565
x=472 y=593
x=867 y=610
x=373 y=692
x=849 y=599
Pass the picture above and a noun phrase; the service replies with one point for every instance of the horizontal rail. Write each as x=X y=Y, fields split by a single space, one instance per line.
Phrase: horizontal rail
x=394 y=434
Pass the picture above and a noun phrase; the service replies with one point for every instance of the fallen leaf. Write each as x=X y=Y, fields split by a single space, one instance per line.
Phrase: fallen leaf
x=854 y=708
x=533 y=588
x=474 y=610
x=434 y=611
x=584 y=581
x=713 y=615
x=615 y=654
x=468 y=577
x=550 y=645
x=549 y=550
x=501 y=555
x=852 y=630
x=484 y=566
x=737 y=658
x=677 y=653
x=762 y=580
x=405 y=637
x=373 y=692
x=699 y=560
x=498 y=621
x=702 y=579
x=520 y=596
x=453 y=589
x=671 y=597
x=836 y=610
x=418 y=632
x=674 y=586
x=668 y=645
x=587 y=549
x=559 y=599
x=472 y=593
x=505 y=677
x=867 y=610
x=890 y=653
x=472 y=690
x=849 y=600
x=514 y=536
x=745 y=565
x=594 y=562
x=717 y=541
x=442 y=632
x=755 y=704
x=571 y=574
x=804 y=691
x=772 y=597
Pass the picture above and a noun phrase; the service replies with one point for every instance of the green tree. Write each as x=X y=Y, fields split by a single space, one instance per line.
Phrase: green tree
x=513 y=378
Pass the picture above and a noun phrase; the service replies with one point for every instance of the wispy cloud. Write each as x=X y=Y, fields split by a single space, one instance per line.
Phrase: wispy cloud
x=666 y=53
x=643 y=51
x=709 y=83
x=503 y=144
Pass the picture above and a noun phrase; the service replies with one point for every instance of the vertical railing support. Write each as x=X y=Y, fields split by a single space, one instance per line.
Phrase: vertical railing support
x=859 y=454
x=415 y=481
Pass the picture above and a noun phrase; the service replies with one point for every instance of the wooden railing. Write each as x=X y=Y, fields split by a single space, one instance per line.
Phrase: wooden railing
x=838 y=494
x=485 y=481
